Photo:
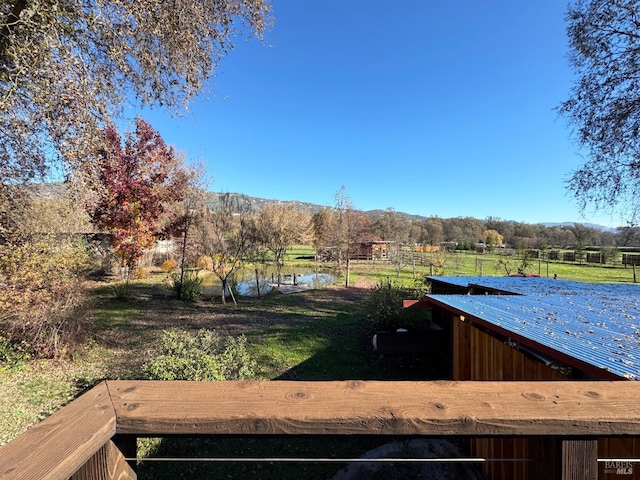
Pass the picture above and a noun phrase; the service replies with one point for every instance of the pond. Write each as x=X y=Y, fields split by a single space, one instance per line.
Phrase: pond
x=292 y=279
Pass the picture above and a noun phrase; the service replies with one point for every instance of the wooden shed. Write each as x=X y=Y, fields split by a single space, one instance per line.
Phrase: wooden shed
x=374 y=250
x=528 y=328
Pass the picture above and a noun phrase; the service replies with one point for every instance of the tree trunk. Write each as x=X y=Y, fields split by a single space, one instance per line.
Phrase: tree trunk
x=184 y=250
x=346 y=282
x=224 y=291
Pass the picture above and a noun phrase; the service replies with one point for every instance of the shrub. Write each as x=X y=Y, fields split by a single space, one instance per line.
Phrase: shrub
x=42 y=293
x=169 y=265
x=384 y=308
x=140 y=273
x=12 y=355
x=205 y=263
x=201 y=356
x=121 y=290
x=191 y=286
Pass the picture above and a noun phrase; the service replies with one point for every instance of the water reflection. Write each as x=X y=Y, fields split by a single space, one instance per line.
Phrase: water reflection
x=299 y=280
x=289 y=282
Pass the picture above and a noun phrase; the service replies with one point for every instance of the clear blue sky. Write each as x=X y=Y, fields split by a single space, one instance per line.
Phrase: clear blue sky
x=432 y=108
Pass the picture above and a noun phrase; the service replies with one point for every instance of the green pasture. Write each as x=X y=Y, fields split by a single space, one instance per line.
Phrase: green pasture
x=468 y=264
x=474 y=264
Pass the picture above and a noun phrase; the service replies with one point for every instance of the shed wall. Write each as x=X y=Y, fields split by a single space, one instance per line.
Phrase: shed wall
x=478 y=355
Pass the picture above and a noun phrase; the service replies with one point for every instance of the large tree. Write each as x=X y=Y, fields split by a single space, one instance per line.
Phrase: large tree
x=604 y=106
x=137 y=180
x=67 y=67
x=391 y=227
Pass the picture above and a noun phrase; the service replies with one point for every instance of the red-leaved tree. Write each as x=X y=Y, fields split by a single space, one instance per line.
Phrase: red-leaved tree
x=137 y=182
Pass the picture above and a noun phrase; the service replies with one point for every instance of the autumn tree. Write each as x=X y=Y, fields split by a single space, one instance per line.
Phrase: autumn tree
x=227 y=236
x=391 y=227
x=604 y=104
x=280 y=226
x=322 y=225
x=137 y=179
x=433 y=231
x=67 y=68
x=492 y=239
x=581 y=233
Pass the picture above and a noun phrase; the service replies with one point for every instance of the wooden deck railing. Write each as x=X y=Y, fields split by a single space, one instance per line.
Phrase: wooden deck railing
x=92 y=436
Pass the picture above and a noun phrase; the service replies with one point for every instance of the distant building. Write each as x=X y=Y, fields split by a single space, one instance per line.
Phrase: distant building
x=375 y=250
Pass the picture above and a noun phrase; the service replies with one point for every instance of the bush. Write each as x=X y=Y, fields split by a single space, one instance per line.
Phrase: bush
x=191 y=286
x=205 y=263
x=201 y=356
x=140 y=273
x=120 y=290
x=169 y=265
x=384 y=308
x=12 y=355
x=42 y=294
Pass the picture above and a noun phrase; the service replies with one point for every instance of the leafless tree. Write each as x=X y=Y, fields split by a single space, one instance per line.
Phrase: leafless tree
x=227 y=235
x=604 y=104
x=281 y=225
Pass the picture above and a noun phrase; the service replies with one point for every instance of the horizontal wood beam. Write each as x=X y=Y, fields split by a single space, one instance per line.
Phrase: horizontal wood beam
x=589 y=408
x=56 y=447
x=84 y=430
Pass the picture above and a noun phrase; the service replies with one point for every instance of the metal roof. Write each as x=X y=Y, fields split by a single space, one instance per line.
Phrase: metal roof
x=540 y=285
x=598 y=324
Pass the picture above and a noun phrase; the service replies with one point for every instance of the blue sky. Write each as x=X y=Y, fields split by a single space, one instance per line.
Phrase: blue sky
x=431 y=108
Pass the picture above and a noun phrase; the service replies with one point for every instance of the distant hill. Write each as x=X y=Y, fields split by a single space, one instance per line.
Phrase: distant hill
x=212 y=200
x=590 y=225
x=47 y=191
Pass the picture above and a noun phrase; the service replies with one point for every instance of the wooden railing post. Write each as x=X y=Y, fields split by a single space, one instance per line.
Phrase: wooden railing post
x=580 y=459
x=128 y=445
x=109 y=463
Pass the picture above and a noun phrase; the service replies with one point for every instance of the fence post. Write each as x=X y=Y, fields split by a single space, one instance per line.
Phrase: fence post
x=580 y=459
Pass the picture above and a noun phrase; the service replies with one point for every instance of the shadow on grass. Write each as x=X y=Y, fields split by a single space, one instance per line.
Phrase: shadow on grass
x=310 y=336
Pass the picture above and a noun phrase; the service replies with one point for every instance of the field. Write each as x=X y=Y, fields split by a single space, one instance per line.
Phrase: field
x=314 y=335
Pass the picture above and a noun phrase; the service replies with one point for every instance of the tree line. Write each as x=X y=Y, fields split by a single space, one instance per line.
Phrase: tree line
x=466 y=232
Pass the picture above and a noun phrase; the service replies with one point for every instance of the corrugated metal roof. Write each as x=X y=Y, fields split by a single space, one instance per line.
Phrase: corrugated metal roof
x=595 y=323
x=542 y=285
x=460 y=281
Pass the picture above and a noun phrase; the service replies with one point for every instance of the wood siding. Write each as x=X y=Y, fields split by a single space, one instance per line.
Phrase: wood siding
x=479 y=355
